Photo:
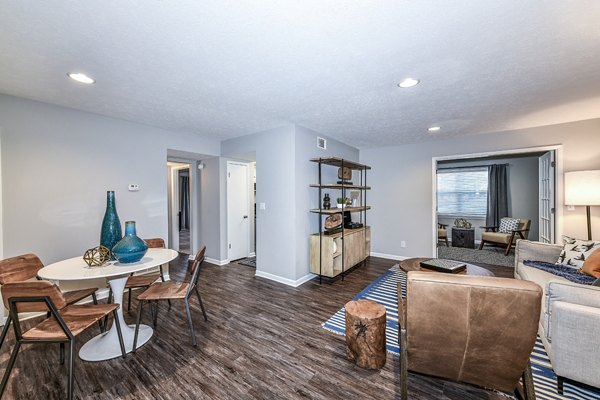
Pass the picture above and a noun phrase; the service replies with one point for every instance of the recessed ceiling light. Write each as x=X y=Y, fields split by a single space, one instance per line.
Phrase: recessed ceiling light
x=81 y=78
x=434 y=129
x=408 y=82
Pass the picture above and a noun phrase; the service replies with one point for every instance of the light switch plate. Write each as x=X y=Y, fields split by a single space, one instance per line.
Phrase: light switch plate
x=134 y=187
x=262 y=206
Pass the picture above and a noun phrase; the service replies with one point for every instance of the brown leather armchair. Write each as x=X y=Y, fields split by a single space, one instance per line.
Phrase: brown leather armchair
x=471 y=329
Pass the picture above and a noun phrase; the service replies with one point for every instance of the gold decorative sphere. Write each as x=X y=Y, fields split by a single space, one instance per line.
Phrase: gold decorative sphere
x=96 y=256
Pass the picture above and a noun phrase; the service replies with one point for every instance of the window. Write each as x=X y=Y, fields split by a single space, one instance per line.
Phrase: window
x=462 y=191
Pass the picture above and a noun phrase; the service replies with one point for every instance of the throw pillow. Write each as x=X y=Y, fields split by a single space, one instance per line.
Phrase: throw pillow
x=576 y=251
x=591 y=266
x=507 y=225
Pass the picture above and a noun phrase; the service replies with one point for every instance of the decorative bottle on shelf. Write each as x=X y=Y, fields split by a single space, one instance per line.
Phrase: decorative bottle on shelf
x=326 y=202
x=131 y=248
x=111 y=225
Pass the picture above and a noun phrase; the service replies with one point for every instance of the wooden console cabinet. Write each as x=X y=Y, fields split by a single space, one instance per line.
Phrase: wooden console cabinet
x=356 y=247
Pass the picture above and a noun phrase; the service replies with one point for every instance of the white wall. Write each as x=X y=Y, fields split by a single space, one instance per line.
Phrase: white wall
x=57 y=165
x=402 y=181
x=523 y=191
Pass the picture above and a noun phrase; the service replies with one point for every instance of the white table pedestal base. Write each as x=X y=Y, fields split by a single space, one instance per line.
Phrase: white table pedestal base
x=106 y=345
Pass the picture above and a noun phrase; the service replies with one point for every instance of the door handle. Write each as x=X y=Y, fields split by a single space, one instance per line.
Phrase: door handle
x=245 y=216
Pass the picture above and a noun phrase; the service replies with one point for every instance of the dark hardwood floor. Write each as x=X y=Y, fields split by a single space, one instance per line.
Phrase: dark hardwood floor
x=263 y=340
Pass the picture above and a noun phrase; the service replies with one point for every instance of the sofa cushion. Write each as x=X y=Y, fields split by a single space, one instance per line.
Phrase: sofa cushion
x=507 y=225
x=591 y=266
x=576 y=251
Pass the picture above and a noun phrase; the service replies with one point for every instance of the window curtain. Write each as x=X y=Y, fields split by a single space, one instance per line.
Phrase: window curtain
x=184 y=202
x=497 y=200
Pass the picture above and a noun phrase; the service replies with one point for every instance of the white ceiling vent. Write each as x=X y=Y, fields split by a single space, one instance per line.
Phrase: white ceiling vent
x=321 y=143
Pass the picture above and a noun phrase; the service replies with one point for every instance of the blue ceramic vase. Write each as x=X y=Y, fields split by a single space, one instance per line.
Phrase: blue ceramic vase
x=111 y=225
x=131 y=248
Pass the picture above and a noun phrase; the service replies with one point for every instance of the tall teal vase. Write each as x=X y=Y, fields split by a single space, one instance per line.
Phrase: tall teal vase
x=131 y=248
x=111 y=225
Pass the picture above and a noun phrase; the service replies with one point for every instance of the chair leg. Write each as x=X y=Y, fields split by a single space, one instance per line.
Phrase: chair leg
x=560 y=385
x=108 y=301
x=71 y=357
x=403 y=365
x=481 y=245
x=201 y=305
x=137 y=324
x=189 y=315
x=62 y=354
x=119 y=333
x=154 y=308
x=528 y=383
x=5 y=329
x=510 y=242
x=129 y=301
x=446 y=240
x=101 y=322
x=9 y=368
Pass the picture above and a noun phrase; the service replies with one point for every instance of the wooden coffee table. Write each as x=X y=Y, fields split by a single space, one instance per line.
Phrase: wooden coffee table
x=413 y=264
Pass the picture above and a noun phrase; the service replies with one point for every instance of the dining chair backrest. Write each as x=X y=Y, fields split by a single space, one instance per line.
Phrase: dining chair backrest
x=155 y=243
x=195 y=268
x=33 y=289
x=19 y=268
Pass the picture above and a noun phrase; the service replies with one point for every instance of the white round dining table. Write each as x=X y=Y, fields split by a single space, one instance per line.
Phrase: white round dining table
x=106 y=345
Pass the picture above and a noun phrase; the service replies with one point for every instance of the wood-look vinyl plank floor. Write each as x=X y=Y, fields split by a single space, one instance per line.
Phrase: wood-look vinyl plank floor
x=263 y=340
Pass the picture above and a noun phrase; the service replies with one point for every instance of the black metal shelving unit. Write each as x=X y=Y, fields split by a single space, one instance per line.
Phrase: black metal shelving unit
x=343 y=187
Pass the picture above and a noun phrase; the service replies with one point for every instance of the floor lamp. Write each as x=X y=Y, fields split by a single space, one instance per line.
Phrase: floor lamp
x=582 y=188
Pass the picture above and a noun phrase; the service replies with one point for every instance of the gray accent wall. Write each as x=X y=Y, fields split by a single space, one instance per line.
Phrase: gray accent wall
x=58 y=163
x=402 y=181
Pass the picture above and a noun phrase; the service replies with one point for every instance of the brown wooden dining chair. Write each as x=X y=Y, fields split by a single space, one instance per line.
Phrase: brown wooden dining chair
x=24 y=268
x=63 y=325
x=173 y=291
x=143 y=281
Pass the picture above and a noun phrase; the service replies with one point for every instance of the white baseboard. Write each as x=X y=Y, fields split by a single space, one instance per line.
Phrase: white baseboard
x=389 y=256
x=253 y=254
x=215 y=261
x=285 y=281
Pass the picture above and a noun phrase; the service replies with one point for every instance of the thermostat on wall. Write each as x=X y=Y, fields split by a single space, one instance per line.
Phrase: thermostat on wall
x=134 y=187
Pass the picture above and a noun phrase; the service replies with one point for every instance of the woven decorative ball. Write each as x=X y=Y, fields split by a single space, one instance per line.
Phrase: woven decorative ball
x=97 y=256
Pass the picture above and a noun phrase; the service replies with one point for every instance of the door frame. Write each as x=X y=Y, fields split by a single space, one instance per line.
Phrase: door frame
x=173 y=201
x=247 y=188
x=558 y=183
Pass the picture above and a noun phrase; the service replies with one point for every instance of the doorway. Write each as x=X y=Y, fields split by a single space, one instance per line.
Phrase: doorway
x=180 y=218
x=238 y=218
x=533 y=180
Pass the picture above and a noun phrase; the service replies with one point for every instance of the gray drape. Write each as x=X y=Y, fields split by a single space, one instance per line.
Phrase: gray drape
x=497 y=200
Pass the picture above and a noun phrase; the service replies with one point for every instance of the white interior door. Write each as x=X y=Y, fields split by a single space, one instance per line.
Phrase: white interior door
x=546 y=185
x=237 y=211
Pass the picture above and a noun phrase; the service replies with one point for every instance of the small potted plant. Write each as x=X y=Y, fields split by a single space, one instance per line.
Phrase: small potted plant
x=342 y=202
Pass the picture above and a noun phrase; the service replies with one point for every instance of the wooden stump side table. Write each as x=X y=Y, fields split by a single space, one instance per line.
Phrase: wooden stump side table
x=365 y=333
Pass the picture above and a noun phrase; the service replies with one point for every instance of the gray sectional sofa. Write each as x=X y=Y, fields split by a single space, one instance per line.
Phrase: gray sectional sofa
x=570 y=316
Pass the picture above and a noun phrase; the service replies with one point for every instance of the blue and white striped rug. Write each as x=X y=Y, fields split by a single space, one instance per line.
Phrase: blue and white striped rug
x=383 y=290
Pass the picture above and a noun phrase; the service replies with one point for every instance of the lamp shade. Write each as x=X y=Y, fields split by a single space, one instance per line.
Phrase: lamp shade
x=582 y=188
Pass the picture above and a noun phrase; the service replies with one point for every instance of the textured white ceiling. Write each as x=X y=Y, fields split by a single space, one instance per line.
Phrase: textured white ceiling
x=231 y=68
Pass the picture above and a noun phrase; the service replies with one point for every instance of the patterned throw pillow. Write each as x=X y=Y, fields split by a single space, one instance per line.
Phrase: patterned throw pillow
x=507 y=225
x=576 y=251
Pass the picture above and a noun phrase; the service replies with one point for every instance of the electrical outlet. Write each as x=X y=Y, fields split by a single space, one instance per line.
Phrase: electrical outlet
x=262 y=206
x=402 y=243
x=134 y=187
